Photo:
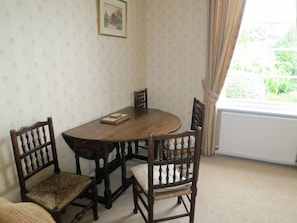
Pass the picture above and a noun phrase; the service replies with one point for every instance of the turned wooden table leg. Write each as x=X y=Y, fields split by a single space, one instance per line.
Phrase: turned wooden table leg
x=107 y=191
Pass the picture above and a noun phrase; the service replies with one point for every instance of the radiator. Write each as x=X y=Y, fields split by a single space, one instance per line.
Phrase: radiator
x=258 y=136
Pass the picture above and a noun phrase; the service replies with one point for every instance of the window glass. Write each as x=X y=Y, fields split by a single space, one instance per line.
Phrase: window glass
x=264 y=63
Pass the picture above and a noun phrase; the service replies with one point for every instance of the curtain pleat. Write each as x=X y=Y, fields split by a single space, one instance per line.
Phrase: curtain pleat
x=225 y=17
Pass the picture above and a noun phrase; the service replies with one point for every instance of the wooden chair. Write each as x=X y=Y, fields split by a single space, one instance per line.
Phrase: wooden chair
x=172 y=171
x=140 y=102
x=140 y=98
x=198 y=114
x=34 y=150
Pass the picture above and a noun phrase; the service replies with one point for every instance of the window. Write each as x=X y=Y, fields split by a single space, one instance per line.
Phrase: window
x=263 y=70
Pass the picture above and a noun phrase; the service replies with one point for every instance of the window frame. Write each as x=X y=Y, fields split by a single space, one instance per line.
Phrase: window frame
x=259 y=105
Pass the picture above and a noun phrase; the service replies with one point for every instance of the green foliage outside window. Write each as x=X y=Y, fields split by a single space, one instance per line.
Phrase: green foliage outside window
x=269 y=63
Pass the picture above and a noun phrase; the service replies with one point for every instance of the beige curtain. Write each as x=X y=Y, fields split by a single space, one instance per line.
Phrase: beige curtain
x=224 y=21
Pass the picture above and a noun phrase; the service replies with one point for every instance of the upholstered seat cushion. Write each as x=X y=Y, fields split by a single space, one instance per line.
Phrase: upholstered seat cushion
x=24 y=212
x=140 y=172
x=52 y=191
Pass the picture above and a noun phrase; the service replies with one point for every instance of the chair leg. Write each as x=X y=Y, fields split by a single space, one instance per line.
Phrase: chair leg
x=192 y=211
x=95 y=206
x=150 y=216
x=178 y=200
x=135 y=196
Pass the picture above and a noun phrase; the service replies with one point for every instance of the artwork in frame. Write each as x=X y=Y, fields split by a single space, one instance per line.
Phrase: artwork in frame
x=112 y=18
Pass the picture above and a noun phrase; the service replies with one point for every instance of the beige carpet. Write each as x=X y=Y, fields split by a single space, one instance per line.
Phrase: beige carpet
x=230 y=190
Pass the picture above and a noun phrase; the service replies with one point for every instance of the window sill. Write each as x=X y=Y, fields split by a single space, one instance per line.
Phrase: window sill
x=272 y=109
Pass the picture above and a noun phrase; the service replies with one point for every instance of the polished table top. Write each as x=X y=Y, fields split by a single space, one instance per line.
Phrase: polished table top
x=141 y=123
x=97 y=136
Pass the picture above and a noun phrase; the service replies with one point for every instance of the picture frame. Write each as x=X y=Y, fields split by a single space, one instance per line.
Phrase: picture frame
x=112 y=16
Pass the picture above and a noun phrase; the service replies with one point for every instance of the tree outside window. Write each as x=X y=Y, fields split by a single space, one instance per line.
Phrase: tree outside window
x=264 y=64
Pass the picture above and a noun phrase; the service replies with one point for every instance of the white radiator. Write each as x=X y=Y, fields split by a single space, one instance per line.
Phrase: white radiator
x=256 y=136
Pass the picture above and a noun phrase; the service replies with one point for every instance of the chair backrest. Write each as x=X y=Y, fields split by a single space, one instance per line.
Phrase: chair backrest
x=198 y=114
x=34 y=149
x=173 y=160
x=140 y=99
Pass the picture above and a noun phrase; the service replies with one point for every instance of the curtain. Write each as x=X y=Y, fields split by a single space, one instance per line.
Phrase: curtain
x=224 y=22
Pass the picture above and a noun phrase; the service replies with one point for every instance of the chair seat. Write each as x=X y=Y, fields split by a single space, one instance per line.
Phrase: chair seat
x=25 y=212
x=171 y=172
x=140 y=172
x=54 y=192
x=35 y=152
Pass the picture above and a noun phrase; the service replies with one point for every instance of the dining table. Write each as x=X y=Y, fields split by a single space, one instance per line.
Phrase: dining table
x=98 y=135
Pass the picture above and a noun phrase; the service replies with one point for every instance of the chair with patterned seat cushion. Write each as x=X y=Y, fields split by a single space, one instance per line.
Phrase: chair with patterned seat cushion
x=172 y=171
x=35 y=155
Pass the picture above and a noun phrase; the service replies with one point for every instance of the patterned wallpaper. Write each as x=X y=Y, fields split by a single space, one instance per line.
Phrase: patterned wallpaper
x=176 y=39
x=54 y=63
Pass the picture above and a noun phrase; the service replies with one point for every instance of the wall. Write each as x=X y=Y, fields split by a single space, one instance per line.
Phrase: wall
x=54 y=63
x=176 y=54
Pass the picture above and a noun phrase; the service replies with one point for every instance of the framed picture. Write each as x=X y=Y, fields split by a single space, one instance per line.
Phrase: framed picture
x=112 y=18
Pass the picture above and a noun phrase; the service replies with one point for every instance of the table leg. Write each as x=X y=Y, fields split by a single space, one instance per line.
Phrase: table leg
x=130 y=153
x=123 y=166
x=107 y=191
x=109 y=197
x=125 y=182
